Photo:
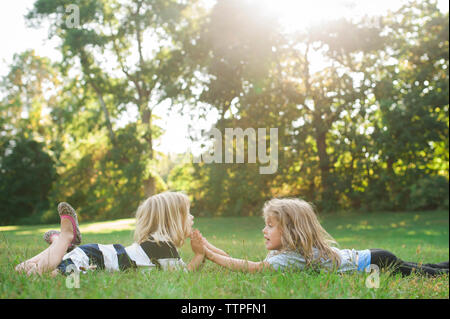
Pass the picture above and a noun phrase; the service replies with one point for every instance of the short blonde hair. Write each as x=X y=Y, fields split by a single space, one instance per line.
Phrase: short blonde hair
x=164 y=217
x=300 y=229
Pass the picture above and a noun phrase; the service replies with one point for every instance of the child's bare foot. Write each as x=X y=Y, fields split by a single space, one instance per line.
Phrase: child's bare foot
x=33 y=269
x=20 y=267
x=26 y=267
x=54 y=273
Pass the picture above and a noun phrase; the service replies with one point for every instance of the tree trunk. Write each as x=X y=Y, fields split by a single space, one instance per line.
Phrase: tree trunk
x=391 y=185
x=85 y=64
x=149 y=186
x=324 y=162
x=112 y=136
x=390 y=166
x=149 y=183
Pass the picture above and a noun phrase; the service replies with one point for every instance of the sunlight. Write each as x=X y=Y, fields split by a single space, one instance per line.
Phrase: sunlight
x=299 y=14
x=108 y=227
x=296 y=15
x=88 y=228
x=9 y=228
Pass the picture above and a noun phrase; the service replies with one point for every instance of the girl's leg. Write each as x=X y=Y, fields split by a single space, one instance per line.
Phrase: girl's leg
x=50 y=258
x=30 y=263
x=26 y=265
x=51 y=236
x=442 y=265
x=36 y=258
x=55 y=253
x=424 y=269
x=383 y=259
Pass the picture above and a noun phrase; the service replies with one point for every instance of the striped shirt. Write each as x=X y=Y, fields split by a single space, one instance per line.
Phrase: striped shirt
x=116 y=257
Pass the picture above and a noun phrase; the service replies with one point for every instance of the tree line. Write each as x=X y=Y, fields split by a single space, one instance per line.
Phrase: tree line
x=367 y=129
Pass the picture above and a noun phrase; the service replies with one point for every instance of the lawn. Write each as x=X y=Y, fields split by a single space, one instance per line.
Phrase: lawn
x=420 y=237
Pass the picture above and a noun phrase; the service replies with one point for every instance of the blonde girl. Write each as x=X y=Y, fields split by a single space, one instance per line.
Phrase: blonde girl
x=163 y=223
x=296 y=240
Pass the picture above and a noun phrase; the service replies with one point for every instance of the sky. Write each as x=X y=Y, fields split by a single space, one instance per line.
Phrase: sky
x=17 y=37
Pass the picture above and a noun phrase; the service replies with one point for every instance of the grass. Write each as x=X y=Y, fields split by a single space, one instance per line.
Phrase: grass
x=420 y=237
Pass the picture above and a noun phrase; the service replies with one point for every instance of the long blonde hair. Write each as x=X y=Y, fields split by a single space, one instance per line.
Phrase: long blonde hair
x=301 y=230
x=164 y=217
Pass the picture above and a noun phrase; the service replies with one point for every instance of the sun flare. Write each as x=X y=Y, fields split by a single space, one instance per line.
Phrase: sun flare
x=298 y=14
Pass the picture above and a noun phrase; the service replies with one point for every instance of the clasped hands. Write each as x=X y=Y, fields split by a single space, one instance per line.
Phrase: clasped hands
x=201 y=246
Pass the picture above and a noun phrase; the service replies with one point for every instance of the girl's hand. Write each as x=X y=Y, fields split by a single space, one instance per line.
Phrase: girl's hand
x=197 y=243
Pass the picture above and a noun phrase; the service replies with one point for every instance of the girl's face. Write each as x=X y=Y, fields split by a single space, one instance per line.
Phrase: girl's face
x=272 y=234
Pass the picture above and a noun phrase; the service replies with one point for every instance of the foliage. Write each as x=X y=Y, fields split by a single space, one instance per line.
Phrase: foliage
x=357 y=133
x=26 y=176
x=430 y=192
x=367 y=129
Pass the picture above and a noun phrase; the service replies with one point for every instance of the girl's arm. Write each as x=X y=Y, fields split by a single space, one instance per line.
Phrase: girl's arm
x=236 y=264
x=211 y=247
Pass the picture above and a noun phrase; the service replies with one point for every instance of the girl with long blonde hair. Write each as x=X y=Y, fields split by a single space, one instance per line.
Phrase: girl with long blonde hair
x=163 y=223
x=296 y=240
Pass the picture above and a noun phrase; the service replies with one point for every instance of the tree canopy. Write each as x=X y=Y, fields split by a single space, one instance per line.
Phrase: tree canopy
x=365 y=129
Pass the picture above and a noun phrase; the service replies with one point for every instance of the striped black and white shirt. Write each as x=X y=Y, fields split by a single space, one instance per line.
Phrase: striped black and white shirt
x=149 y=254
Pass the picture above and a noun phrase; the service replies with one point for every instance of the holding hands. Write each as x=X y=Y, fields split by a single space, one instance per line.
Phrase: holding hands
x=197 y=243
x=198 y=249
x=202 y=248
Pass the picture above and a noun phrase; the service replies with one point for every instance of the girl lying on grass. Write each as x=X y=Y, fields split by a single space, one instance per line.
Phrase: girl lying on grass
x=296 y=240
x=163 y=223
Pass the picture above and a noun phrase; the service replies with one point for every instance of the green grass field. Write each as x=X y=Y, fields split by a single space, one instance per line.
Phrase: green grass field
x=420 y=237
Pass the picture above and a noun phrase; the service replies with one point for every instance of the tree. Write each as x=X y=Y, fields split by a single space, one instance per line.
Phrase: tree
x=126 y=32
x=411 y=130
x=31 y=91
x=233 y=51
x=26 y=177
x=324 y=96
